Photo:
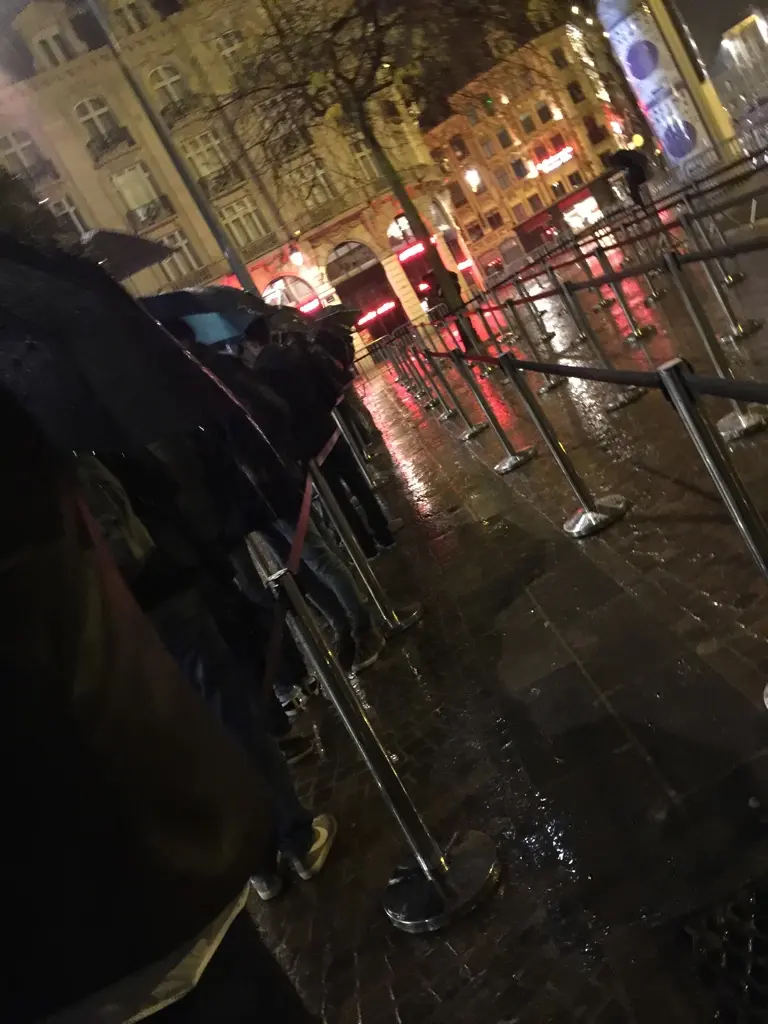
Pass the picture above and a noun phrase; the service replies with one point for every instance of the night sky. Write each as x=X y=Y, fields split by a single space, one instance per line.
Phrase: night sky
x=708 y=19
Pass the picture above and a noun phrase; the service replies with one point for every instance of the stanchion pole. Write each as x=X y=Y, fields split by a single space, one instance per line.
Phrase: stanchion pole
x=740 y=422
x=639 y=254
x=627 y=395
x=545 y=334
x=394 y=620
x=730 y=278
x=638 y=332
x=514 y=459
x=416 y=387
x=426 y=380
x=394 y=354
x=348 y=438
x=717 y=462
x=440 y=885
x=448 y=413
x=554 y=280
x=473 y=429
x=603 y=302
x=526 y=339
x=593 y=515
x=739 y=329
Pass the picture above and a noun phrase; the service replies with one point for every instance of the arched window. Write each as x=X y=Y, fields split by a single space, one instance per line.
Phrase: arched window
x=19 y=152
x=348 y=259
x=288 y=291
x=96 y=117
x=168 y=84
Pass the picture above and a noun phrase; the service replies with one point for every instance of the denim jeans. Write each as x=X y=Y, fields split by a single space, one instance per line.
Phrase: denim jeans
x=196 y=645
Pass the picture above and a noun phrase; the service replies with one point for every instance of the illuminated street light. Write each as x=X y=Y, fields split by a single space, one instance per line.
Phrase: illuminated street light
x=472 y=178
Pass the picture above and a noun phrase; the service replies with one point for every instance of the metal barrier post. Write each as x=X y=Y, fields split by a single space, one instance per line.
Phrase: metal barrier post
x=593 y=515
x=394 y=620
x=522 y=291
x=730 y=278
x=551 y=382
x=514 y=459
x=570 y=296
x=348 y=437
x=638 y=333
x=717 y=462
x=402 y=376
x=447 y=413
x=654 y=294
x=581 y=337
x=603 y=302
x=415 y=388
x=739 y=329
x=441 y=884
x=473 y=429
x=738 y=423
x=425 y=378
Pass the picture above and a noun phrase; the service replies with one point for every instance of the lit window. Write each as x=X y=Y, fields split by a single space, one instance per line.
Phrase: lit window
x=243 y=221
x=54 y=48
x=205 y=153
x=68 y=216
x=130 y=17
x=541 y=153
x=168 y=84
x=229 y=43
x=96 y=117
x=136 y=186
x=183 y=261
x=558 y=142
x=288 y=291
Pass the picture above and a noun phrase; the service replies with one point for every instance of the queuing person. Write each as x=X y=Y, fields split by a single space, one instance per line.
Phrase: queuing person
x=636 y=172
x=133 y=822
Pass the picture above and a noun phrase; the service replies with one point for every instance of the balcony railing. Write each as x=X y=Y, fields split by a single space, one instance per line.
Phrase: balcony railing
x=151 y=213
x=325 y=212
x=224 y=180
x=41 y=171
x=265 y=244
x=187 y=106
x=102 y=146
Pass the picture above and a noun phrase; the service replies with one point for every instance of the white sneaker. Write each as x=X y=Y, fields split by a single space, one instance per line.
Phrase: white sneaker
x=267 y=886
x=324 y=828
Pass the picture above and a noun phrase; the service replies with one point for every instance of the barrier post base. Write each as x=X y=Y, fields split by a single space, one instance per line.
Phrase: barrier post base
x=513 y=462
x=555 y=382
x=655 y=296
x=735 y=279
x=471 y=432
x=447 y=415
x=604 y=304
x=404 y=618
x=740 y=424
x=430 y=404
x=607 y=511
x=629 y=396
x=745 y=329
x=413 y=905
x=647 y=331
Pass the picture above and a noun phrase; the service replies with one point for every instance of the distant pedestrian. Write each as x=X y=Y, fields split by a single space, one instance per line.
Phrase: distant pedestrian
x=636 y=172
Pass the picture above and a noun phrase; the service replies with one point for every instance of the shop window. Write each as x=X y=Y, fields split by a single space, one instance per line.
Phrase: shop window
x=545 y=113
x=558 y=189
x=519 y=212
x=474 y=231
x=486 y=145
x=576 y=92
x=557 y=142
x=456 y=192
x=459 y=147
x=502 y=179
x=559 y=58
x=495 y=220
x=541 y=153
x=596 y=133
x=535 y=203
x=575 y=179
x=528 y=124
x=505 y=139
x=521 y=171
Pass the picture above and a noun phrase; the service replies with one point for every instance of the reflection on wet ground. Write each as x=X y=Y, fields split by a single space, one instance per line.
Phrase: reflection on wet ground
x=596 y=707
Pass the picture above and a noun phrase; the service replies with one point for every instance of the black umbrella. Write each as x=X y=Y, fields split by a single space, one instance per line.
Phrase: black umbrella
x=92 y=367
x=121 y=254
x=216 y=314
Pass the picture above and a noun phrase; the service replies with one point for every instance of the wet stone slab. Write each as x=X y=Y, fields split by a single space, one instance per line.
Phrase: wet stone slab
x=590 y=706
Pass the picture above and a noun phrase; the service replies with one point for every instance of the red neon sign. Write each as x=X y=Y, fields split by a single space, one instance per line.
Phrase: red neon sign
x=555 y=161
x=423 y=287
x=367 y=318
x=413 y=250
x=464 y=265
x=310 y=307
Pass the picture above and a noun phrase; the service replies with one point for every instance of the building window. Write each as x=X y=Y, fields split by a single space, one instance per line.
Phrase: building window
x=19 y=152
x=557 y=142
x=183 y=261
x=519 y=168
x=130 y=17
x=288 y=291
x=505 y=139
x=390 y=111
x=528 y=124
x=310 y=184
x=96 y=117
x=229 y=43
x=473 y=116
x=545 y=112
x=596 y=133
x=459 y=147
x=205 y=153
x=486 y=145
x=54 y=48
x=136 y=186
x=495 y=220
x=456 y=192
x=576 y=92
x=69 y=217
x=575 y=179
x=535 y=203
x=474 y=231
x=168 y=84
x=541 y=153
x=243 y=221
x=503 y=179
x=558 y=189
x=519 y=212
x=605 y=159
x=559 y=58
x=365 y=160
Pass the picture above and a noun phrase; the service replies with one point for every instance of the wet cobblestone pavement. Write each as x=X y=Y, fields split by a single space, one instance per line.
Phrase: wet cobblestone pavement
x=594 y=706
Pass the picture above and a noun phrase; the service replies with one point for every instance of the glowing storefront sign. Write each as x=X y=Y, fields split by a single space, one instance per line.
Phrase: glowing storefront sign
x=556 y=160
x=411 y=251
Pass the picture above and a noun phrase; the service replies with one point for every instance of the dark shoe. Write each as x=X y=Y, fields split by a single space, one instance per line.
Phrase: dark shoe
x=324 y=829
x=295 y=702
x=296 y=748
x=267 y=886
x=368 y=647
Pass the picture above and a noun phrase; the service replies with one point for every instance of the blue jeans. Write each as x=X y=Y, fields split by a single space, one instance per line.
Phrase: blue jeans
x=196 y=645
